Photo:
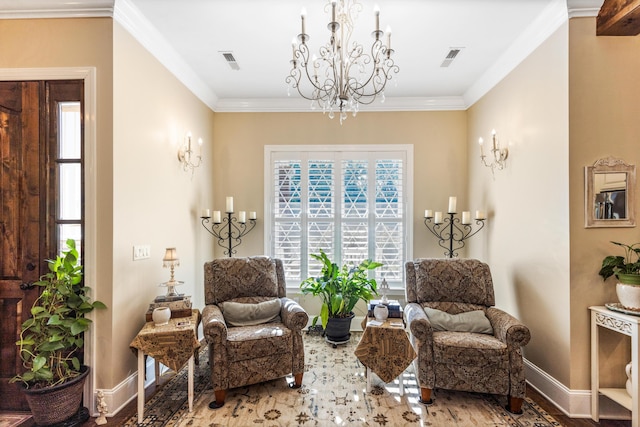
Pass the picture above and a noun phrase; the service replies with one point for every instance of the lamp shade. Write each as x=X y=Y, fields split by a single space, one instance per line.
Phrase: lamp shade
x=171 y=257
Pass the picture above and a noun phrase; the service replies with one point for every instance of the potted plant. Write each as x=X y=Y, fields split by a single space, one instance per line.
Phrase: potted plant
x=627 y=270
x=51 y=339
x=340 y=288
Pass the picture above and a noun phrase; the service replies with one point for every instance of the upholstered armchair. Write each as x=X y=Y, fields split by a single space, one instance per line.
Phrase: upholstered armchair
x=253 y=331
x=463 y=342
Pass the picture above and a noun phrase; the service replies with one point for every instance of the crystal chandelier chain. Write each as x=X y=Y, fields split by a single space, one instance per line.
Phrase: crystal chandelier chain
x=344 y=75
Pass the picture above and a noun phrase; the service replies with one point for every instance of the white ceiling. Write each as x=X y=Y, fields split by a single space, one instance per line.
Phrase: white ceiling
x=188 y=36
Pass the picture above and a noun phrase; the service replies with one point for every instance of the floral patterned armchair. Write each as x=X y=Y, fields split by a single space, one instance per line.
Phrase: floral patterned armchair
x=458 y=360
x=248 y=341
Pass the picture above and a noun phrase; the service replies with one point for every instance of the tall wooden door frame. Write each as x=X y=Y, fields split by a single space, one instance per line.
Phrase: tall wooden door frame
x=88 y=75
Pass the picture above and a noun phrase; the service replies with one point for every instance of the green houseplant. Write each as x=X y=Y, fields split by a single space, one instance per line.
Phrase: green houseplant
x=626 y=268
x=340 y=288
x=52 y=337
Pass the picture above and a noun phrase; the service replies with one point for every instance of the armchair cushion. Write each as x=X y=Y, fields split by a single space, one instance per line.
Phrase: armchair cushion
x=470 y=321
x=247 y=314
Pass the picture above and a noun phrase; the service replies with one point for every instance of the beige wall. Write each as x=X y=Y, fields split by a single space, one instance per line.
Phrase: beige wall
x=526 y=241
x=438 y=140
x=155 y=202
x=603 y=117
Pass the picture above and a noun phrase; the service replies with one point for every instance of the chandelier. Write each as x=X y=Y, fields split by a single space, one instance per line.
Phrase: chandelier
x=344 y=75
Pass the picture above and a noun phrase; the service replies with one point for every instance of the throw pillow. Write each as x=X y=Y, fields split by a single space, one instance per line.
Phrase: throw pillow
x=470 y=321
x=241 y=314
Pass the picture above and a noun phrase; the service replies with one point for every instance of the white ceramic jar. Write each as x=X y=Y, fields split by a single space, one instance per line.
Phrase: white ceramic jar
x=381 y=312
x=161 y=316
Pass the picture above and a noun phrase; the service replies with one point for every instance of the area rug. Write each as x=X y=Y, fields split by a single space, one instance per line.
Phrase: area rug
x=333 y=394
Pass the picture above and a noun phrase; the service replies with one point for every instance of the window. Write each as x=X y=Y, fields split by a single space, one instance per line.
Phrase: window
x=69 y=168
x=351 y=201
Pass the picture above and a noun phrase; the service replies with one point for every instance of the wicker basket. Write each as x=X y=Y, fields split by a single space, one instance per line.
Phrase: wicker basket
x=53 y=405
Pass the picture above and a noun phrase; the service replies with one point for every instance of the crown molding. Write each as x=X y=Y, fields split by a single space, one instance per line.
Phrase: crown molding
x=132 y=20
x=291 y=105
x=544 y=26
x=584 y=8
x=59 y=9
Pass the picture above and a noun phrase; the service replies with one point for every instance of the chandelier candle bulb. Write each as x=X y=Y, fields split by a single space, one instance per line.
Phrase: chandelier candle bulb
x=242 y=217
x=466 y=217
x=302 y=15
x=217 y=219
x=428 y=213
x=253 y=215
x=229 y=205
x=493 y=137
x=388 y=38
x=376 y=11
x=333 y=10
x=452 y=204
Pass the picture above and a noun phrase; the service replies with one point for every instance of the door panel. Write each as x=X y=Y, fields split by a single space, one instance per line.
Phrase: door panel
x=20 y=226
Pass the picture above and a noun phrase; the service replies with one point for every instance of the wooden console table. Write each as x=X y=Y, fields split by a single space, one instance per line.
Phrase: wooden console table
x=385 y=350
x=602 y=317
x=169 y=344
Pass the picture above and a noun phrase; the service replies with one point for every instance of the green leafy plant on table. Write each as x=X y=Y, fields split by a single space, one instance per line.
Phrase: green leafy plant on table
x=626 y=268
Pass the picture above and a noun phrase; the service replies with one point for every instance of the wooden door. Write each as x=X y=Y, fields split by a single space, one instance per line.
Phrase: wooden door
x=20 y=225
x=30 y=219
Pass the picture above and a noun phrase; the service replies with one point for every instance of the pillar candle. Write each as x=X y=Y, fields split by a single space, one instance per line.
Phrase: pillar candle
x=438 y=218
x=481 y=215
x=428 y=213
x=253 y=215
x=452 y=204
x=466 y=217
x=229 y=205
x=206 y=213
x=242 y=217
x=216 y=217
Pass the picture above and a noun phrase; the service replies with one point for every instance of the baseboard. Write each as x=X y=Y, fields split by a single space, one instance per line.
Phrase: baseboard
x=573 y=403
x=117 y=398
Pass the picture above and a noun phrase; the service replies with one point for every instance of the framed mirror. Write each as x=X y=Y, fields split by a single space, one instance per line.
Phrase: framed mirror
x=609 y=194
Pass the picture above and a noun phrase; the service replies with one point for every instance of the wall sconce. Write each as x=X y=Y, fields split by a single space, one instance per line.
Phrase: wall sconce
x=499 y=154
x=187 y=156
x=171 y=260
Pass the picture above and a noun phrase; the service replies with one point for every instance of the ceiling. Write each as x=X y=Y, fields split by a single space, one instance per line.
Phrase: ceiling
x=189 y=37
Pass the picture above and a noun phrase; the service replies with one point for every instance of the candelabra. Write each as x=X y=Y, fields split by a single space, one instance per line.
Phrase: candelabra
x=452 y=231
x=228 y=230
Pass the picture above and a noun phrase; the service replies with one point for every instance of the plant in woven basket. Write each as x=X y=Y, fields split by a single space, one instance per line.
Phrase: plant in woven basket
x=52 y=337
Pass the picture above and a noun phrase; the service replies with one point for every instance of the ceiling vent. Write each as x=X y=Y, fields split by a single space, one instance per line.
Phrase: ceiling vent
x=453 y=53
x=231 y=60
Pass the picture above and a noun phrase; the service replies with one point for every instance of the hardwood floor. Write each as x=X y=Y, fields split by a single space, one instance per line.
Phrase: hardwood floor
x=130 y=410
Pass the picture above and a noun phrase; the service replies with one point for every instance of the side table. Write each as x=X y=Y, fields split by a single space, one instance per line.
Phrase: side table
x=602 y=317
x=169 y=344
x=385 y=349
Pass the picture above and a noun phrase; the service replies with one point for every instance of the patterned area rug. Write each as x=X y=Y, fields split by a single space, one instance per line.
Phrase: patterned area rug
x=333 y=394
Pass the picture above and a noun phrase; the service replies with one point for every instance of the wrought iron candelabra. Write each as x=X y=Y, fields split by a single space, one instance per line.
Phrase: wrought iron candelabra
x=228 y=230
x=452 y=231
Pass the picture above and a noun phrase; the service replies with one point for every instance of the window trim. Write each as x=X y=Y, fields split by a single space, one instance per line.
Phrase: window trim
x=406 y=149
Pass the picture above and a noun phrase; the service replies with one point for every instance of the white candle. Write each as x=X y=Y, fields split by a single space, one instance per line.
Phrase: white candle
x=229 y=205
x=452 y=204
x=376 y=11
x=438 y=218
x=481 y=215
x=428 y=213
x=388 y=38
x=302 y=15
x=333 y=10
x=253 y=215
x=466 y=217
x=205 y=213
x=216 y=217
x=242 y=217
x=481 y=141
